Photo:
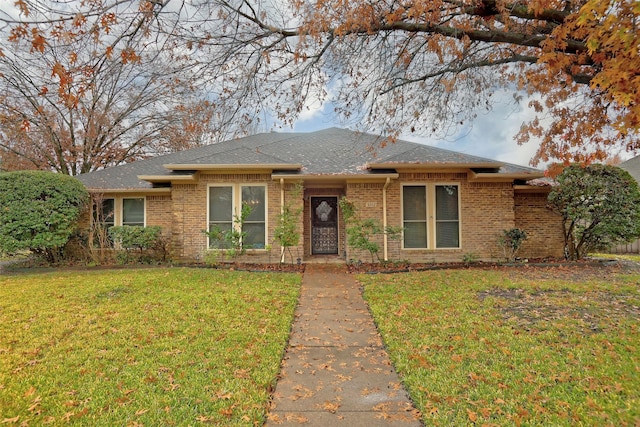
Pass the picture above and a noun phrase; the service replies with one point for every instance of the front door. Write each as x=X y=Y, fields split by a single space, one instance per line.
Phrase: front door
x=324 y=225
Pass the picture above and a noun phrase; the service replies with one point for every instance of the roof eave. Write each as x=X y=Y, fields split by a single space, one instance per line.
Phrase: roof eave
x=161 y=190
x=432 y=165
x=497 y=176
x=168 y=178
x=259 y=166
x=329 y=177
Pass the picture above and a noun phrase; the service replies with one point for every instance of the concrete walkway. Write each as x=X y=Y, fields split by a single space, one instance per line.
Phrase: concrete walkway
x=336 y=370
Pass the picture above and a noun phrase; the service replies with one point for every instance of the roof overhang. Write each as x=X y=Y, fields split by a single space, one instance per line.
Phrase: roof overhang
x=336 y=177
x=168 y=178
x=431 y=165
x=163 y=190
x=487 y=177
x=210 y=167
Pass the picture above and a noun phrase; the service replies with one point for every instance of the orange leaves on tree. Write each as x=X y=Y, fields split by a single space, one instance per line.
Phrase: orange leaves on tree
x=129 y=55
x=22 y=6
x=107 y=21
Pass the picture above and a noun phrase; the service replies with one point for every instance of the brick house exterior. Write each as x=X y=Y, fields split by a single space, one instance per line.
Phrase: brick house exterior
x=448 y=204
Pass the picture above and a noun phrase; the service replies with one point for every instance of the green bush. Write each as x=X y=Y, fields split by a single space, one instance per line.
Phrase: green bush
x=599 y=206
x=138 y=244
x=39 y=211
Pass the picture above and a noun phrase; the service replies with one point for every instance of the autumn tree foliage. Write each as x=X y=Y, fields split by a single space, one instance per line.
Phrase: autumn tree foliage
x=599 y=205
x=422 y=66
x=73 y=103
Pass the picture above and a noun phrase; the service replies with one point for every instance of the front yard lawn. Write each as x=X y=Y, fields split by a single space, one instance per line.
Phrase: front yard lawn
x=514 y=346
x=142 y=347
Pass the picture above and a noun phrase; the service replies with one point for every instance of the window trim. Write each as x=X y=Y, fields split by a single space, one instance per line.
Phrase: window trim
x=236 y=203
x=118 y=208
x=430 y=189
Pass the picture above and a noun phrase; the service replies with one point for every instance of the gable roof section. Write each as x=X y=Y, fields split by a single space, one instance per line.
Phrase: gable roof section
x=325 y=153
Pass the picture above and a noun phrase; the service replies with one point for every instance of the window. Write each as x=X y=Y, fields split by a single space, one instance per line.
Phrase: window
x=254 y=225
x=447 y=221
x=220 y=213
x=133 y=211
x=430 y=215
x=105 y=212
x=225 y=209
x=414 y=204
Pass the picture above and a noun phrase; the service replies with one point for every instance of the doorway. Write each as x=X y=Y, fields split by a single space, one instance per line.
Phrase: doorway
x=324 y=225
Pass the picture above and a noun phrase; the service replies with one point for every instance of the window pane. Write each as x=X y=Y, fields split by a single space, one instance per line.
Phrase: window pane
x=220 y=204
x=414 y=203
x=254 y=237
x=254 y=198
x=415 y=234
x=220 y=229
x=446 y=202
x=447 y=235
x=105 y=213
x=133 y=212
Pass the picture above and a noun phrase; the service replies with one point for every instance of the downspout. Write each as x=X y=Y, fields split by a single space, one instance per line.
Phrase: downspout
x=384 y=219
x=281 y=213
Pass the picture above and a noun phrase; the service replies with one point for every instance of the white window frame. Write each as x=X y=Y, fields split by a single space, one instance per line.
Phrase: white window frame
x=430 y=196
x=118 y=209
x=236 y=203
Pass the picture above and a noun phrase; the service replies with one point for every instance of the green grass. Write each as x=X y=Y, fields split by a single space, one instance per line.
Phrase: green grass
x=496 y=348
x=142 y=347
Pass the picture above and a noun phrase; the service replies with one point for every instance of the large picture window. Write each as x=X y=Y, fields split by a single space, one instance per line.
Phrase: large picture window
x=430 y=215
x=225 y=209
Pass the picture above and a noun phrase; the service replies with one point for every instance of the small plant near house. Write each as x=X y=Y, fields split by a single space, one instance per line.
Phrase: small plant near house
x=286 y=233
x=510 y=241
x=360 y=232
x=469 y=258
x=230 y=242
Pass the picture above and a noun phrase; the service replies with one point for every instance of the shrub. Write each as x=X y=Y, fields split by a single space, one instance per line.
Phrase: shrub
x=510 y=241
x=39 y=211
x=599 y=205
x=360 y=232
x=139 y=244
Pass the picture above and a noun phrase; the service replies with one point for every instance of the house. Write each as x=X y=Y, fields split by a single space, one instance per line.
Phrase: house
x=633 y=167
x=449 y=205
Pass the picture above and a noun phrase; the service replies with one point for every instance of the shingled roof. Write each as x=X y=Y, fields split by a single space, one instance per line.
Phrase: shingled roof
x=329 y=152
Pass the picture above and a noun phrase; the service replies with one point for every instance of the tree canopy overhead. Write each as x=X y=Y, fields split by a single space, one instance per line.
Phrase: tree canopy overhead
x=420 y=66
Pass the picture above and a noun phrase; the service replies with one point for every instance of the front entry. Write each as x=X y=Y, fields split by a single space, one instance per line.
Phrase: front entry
x=324 y=225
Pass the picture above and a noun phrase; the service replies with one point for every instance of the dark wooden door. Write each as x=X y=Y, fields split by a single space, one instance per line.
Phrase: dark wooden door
x=324 y=225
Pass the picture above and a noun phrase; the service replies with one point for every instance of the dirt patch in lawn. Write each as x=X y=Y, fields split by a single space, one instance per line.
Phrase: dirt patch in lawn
x=589 y=311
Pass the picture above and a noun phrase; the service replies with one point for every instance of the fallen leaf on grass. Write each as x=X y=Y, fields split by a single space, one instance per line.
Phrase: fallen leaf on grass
x=10 y=420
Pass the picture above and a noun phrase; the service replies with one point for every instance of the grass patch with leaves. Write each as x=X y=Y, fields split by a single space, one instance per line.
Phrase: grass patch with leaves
x=142 y=347
x=506 y=347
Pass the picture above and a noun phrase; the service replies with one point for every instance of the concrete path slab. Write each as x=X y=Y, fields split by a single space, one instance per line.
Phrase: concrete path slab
x=336 y=370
